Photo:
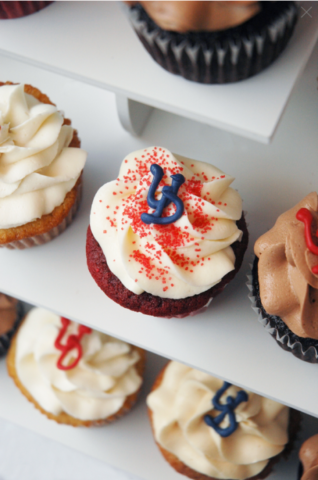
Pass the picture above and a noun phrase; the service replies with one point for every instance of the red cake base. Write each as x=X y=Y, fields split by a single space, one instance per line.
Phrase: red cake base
x=151 y=304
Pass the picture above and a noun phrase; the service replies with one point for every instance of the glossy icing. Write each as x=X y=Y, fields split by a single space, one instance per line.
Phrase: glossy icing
x=37 y=168
x=171 y=261
x=70 y=342
x=95 y=389
x=178 y=407
x=226 y=408
x=168 y=194
x=305 y=216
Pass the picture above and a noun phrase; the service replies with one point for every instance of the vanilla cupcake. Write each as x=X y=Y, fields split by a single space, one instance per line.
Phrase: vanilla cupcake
x=73 y=374
x=40 y=168
x=167 y=235
x=209 y=429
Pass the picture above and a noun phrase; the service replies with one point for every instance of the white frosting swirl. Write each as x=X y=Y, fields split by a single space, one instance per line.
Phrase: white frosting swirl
x=37 y=168
x=178 y=407
x=173 y=261
x=95 y=389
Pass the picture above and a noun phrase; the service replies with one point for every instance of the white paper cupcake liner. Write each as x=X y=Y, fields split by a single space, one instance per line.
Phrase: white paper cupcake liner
x=51 y=234
x=284 y=341
x=229 y=59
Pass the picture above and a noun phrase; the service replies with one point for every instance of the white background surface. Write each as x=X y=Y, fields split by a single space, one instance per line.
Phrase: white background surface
x=27 y=456
x=227 y=341
x=94 y=41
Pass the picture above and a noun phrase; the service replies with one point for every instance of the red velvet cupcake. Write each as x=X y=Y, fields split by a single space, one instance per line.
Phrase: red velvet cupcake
x=167 y=235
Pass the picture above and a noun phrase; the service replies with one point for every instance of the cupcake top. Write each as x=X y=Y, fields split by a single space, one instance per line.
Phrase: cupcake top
x=190 y=419
x=287 y=268
x=182 y=17
x=180 y=246
x=8 y=312
x=37 y=168
x=70 y=368
x=308 y=456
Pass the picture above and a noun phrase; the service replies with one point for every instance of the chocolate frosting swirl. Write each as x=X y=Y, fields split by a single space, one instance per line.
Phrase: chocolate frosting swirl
x=288 y=287
x=308 y=456
x=7 y=312
x=196 y=15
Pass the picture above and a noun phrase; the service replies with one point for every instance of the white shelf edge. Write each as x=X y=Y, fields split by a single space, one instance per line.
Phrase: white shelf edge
x=127 y=444
x=141 y=101
x=294 y=57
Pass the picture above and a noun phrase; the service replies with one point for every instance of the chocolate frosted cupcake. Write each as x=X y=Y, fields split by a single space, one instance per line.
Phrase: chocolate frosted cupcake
x=73 y=374
x=285 y=279
x=167 y=235
x=11 y=312
x=208 y=429
x=20 y=9
x=214 y=42
x=308 y=456
x=40 y=168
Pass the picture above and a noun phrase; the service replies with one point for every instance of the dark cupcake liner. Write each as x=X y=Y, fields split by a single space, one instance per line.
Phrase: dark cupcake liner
x=20 y=9
x=6 y=338
x=300 y=471
x=219 y=57
x=305 y=349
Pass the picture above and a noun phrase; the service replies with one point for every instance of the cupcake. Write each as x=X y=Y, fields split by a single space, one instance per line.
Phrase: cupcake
x=214 y=42
x=167 y=235
x=73 y=374
x=40 y=168
x=308 y=456
x=209 y=429
x=285 y=279
x=13 y=9
x=10 y=317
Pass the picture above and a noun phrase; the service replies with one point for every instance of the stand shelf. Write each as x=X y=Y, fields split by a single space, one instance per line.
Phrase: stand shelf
x=126 y=444
x=94 y=43
x=227 y=340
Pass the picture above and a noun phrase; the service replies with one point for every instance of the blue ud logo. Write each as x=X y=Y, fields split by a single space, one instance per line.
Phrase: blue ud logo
x=227 y=409
x=169 y=194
